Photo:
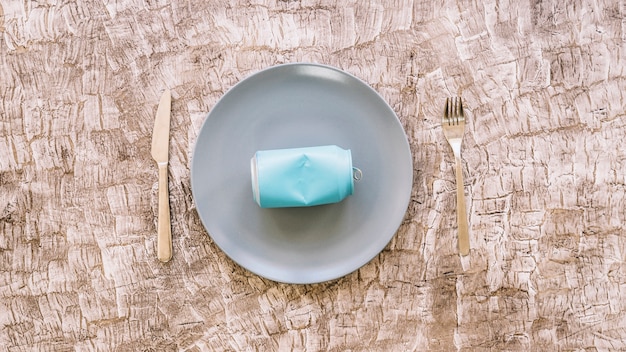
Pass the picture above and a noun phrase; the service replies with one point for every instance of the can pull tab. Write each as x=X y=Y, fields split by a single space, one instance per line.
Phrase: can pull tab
x=357 y=174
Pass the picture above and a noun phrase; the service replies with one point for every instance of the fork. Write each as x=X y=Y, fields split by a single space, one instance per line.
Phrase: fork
x=453 y=124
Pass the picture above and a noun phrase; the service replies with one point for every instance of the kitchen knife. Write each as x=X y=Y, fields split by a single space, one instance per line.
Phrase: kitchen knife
x=160 y=150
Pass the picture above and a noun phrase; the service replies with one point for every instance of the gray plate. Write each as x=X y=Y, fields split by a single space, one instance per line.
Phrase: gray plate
x=301 y=105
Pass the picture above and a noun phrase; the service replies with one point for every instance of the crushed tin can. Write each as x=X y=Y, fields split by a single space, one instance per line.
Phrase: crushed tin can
x=302 y=177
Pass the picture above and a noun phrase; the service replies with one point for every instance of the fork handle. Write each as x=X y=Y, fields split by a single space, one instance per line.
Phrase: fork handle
x=461 y=214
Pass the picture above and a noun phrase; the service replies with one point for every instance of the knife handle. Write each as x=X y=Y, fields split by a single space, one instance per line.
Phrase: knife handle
x=164 y=239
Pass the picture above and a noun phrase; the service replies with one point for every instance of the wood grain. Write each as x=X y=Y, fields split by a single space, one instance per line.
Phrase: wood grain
x=544 y=156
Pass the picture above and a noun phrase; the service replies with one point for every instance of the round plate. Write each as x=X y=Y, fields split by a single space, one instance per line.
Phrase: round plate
x=290 y=106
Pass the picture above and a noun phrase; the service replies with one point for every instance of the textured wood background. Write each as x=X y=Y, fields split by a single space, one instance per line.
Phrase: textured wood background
x=544 y=161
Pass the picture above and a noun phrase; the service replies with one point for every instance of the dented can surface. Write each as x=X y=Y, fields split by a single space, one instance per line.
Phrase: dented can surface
x=301 y=177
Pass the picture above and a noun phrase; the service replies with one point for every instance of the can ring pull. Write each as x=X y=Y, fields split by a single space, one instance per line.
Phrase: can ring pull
x=357 y=174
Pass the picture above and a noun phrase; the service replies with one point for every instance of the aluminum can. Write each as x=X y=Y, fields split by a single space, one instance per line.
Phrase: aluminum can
x=302 y=177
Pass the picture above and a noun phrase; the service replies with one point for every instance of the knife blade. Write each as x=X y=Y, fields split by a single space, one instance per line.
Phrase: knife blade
x=160 y=151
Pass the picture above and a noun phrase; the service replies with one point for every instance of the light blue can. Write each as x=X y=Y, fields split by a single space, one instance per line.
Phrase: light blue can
x=302 y=177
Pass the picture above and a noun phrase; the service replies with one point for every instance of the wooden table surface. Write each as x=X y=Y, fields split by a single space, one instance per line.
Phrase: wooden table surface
x=544 y=160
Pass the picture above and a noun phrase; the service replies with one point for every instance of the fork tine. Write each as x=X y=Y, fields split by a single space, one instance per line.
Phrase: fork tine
x=460 y=116
x=452 y=112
